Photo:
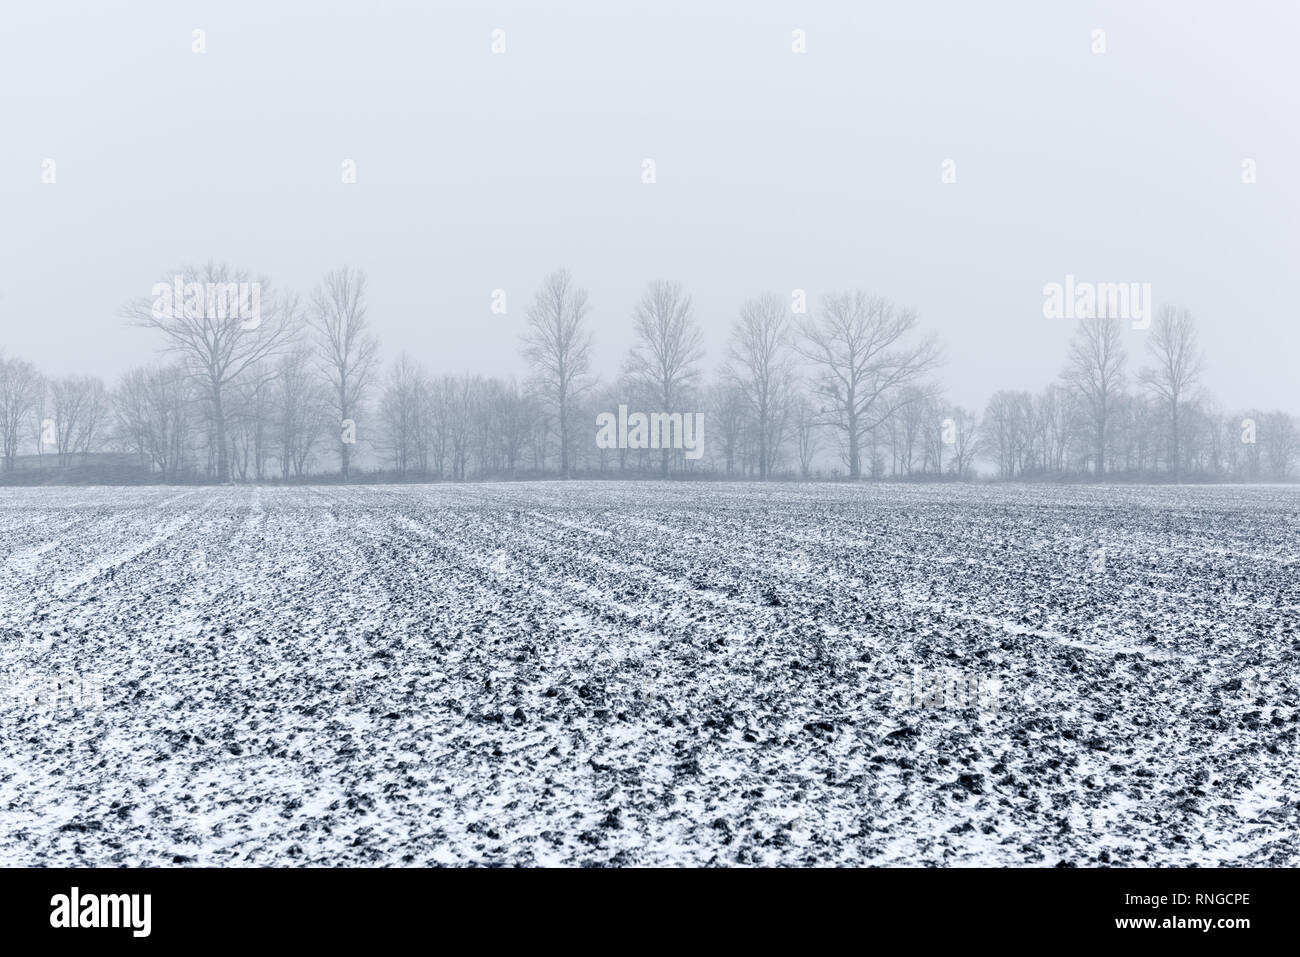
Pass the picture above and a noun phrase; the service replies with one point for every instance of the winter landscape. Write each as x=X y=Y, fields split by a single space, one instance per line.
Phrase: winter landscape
x=660 y=435
x=650 y=673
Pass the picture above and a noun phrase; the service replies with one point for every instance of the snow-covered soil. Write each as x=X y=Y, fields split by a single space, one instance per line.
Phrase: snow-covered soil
x=650 y=674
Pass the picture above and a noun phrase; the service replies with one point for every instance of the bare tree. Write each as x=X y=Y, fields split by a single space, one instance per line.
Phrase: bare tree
x=19 y=385
x=806 y=426
x=1177 y=369
x=729 y=411
x=436 y=419
x=965 y=440
x=664 y=359
x=130 y=404
x=77 y=409
x=154 y=410
x=40 y=423
x=864 y=361
x=400 y=410
x=300 y=404
x=907 y=425
x=1281 y=442
x=558 y=346
x=219 y=343
x=1051 y=426
x=1096 y=375
x=934 y=435
x=760 y=364
x=1007 y=436
x=346 y=349
x=514 y=413
x=462 y=396
x=250 y=418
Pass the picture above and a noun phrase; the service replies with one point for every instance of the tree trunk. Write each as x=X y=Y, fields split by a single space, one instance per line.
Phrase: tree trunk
x=219 y=413
x=1174 y=462
x=564 y=441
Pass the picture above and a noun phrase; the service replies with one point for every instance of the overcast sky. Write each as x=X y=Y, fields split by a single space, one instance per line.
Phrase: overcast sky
x=775 y=170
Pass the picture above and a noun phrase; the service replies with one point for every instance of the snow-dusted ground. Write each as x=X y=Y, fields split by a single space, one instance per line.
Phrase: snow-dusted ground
x=650 y=674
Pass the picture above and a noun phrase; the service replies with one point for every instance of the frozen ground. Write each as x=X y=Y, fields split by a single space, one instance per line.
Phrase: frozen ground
x=650 y=674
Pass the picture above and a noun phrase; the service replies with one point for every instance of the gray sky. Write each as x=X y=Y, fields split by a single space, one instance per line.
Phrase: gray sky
x=775 y=171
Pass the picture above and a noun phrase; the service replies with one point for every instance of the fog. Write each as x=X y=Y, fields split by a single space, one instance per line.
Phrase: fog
x=822 y=171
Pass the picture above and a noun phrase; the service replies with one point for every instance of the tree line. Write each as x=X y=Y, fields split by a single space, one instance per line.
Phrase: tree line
x=848 y=389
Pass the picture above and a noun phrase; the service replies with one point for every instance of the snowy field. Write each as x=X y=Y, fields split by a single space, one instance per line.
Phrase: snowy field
x=650 y=674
